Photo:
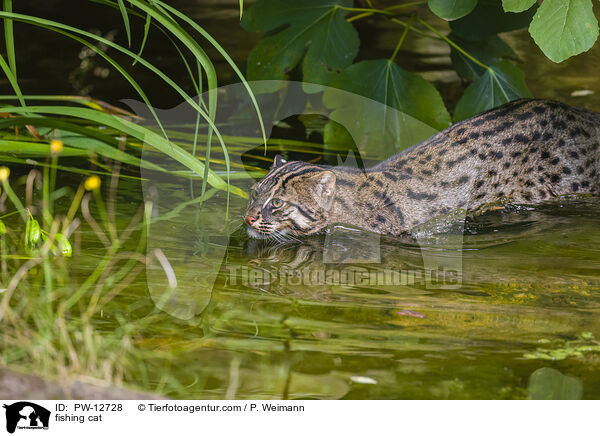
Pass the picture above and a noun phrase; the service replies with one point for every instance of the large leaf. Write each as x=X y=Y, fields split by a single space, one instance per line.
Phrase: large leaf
x=315 y=30
x=451 y=9
x=386 y=82
x=384 y=108
x=504 y=82
x=564 y=28
x=488 y=19
x=517 y=5
x=489 y=51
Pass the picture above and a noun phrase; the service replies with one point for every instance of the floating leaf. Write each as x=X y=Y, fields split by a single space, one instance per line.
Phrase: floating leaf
x=386 y=82
x=504 y=82
x=451 y=9
x=488 y=51
x=316 y=31
x=517 y=5
x=488 y=19
x=564 y=28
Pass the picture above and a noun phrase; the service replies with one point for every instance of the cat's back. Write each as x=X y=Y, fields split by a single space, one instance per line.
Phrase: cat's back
x=527 y=151
x=514 y=125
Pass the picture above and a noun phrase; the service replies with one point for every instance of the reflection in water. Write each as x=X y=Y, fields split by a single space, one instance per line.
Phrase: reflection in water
x=275 y=325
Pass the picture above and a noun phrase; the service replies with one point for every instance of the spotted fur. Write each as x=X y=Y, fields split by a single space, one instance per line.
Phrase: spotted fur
x=526 y=151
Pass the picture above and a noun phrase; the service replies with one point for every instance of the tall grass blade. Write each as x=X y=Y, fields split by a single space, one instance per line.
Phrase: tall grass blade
x=125 y=20
x=225 y=55
x=166 y=20
x=121 y=70
x=45 y=23
x=85 y=138
x=12 y=80
x=145 y=38
x=139 y=132
x=9 y=38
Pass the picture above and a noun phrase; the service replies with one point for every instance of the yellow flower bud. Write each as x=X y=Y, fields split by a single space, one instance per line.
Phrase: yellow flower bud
x=4 y=173
x=91 y=183
x=56 y=146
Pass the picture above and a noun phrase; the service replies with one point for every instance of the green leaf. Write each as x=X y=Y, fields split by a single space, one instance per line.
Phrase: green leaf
x=386 y=82
x=564 y=28
x=504 y=82
x=451 y=9
x=488 y=19
x=2 y=228
x=488 y=51
x=517 y=5
x=384 y=108
x=337 y=137
x=315 y=31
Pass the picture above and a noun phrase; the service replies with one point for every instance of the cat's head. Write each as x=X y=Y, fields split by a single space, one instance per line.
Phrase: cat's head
x=293 y=199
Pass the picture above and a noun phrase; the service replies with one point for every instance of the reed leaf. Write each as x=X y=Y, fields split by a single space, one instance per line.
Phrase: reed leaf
x=125 y=20
x=145 y=38
x=45 y=23
x=12 y=80
x=9 y=38
x=129 y=128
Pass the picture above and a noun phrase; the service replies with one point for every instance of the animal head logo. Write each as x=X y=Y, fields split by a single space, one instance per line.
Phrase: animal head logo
x=26 y=415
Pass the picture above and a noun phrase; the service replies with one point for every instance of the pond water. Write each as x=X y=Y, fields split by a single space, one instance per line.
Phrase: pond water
x=516 y=316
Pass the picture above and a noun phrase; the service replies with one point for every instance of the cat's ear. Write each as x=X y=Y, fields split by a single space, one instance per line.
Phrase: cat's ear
x=278 y=161
x=322 y=186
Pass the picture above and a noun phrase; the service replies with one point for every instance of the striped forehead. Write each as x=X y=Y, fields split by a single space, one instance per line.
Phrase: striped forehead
x=275 y=175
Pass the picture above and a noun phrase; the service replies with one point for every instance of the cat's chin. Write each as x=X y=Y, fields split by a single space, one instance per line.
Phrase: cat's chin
x=255 y=234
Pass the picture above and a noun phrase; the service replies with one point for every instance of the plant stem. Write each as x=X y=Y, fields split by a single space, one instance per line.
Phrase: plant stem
x=14 y=199
x=46 y=212
x=406 y=5
x=75 y=204
x=370 y=10
x=386 y=11
x=402 y=38
x=91 y=279
x=52 y=181
x=453 y=44
x=417 y=31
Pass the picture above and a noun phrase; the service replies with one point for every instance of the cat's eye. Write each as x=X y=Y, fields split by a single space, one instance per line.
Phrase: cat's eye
x=277 y=202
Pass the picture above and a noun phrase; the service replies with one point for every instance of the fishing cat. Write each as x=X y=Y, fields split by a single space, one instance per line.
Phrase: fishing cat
x=526 y=151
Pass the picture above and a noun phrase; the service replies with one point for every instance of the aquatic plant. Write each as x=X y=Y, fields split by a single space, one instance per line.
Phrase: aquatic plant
x=318 y=39
x=169 y=21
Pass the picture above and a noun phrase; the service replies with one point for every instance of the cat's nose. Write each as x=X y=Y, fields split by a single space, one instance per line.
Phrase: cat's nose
x=249 y=220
